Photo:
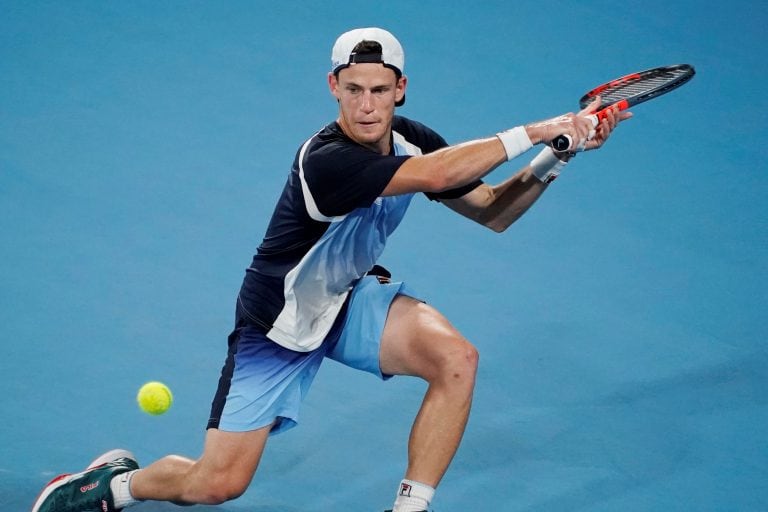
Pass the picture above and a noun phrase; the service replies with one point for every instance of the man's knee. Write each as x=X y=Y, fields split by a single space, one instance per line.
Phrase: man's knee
x=458 y=363
x=225 y=470
x=221 y=487
x=418 y=340
x=467 y=358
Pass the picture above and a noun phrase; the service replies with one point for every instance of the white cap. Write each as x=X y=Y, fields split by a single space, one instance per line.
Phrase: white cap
x=343 y=53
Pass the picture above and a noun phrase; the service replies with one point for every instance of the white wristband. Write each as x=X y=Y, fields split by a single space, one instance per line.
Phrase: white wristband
x=516 y=141
x=546 y=166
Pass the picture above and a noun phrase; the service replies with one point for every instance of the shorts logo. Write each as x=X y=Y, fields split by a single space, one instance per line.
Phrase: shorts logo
x=405 y=490
x=89 y=487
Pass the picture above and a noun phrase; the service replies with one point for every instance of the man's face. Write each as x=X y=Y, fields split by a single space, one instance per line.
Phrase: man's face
x=367 y=93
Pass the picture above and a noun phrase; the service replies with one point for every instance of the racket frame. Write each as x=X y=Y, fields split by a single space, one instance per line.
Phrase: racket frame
x=684 y=73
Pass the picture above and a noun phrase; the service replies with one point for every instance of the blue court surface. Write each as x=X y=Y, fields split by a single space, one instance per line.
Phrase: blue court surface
x=622 y=322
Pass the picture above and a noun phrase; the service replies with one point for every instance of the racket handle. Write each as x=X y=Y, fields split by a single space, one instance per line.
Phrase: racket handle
x=563 y=142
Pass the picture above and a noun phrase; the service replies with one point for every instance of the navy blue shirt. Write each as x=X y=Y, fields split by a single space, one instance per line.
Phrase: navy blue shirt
x=328 y=228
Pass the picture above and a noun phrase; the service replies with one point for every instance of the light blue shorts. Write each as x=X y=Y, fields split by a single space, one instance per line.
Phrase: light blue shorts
x=263 y=383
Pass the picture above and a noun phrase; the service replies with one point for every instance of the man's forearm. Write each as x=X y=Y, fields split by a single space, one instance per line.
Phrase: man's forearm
x=509 y=200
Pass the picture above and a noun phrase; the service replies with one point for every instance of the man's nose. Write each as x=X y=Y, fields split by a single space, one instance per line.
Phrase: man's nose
x=367 y=103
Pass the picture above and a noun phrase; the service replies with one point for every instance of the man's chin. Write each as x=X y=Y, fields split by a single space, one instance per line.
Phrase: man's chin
x=369 y=136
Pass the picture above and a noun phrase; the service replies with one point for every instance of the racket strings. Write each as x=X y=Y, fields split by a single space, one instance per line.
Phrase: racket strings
x=645 y=86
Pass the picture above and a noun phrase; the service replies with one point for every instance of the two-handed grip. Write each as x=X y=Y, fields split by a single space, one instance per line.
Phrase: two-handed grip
x=564 y=142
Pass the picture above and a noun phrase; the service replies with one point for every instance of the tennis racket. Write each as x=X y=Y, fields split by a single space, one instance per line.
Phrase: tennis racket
x=628 y=91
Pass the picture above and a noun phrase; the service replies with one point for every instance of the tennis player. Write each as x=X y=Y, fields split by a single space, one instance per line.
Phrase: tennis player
x=313 y=289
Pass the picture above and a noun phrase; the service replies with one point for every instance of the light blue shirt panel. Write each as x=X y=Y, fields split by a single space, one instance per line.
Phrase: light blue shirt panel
x=317 y=287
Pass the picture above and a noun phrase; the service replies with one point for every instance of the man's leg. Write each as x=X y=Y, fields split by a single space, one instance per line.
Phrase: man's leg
x=113 y=481
x=224 y=471
x=419 y=341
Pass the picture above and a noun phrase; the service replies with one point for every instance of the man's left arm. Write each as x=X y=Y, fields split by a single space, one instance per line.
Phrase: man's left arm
x=498 y=206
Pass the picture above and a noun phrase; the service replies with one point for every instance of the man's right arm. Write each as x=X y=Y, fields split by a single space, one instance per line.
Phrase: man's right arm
x=447 y=168
x=464 y=163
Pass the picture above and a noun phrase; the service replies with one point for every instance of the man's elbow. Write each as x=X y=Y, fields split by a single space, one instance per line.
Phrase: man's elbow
x=496 y=226
x=498 y=223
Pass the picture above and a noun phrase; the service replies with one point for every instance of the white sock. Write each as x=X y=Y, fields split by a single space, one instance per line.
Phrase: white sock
x=413 y=497
x=121 y=490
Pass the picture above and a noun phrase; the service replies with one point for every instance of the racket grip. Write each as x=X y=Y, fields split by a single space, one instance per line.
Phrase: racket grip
x=561 y=143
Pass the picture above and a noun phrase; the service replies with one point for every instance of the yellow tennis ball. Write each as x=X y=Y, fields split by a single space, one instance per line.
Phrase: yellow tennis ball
x=154 y=398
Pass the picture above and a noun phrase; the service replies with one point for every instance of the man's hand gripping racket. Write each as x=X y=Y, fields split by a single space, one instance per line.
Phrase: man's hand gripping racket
x=604 y=105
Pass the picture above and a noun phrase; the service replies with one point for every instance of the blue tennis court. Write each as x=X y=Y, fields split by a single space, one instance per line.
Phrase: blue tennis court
x=621 y=323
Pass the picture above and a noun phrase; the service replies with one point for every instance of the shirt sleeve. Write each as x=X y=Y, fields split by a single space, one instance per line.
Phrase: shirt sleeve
x=342 y=177
x=454 y=193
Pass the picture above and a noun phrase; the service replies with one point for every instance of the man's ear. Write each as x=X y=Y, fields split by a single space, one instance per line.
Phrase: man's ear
x=402 y=83
x=333 y=85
